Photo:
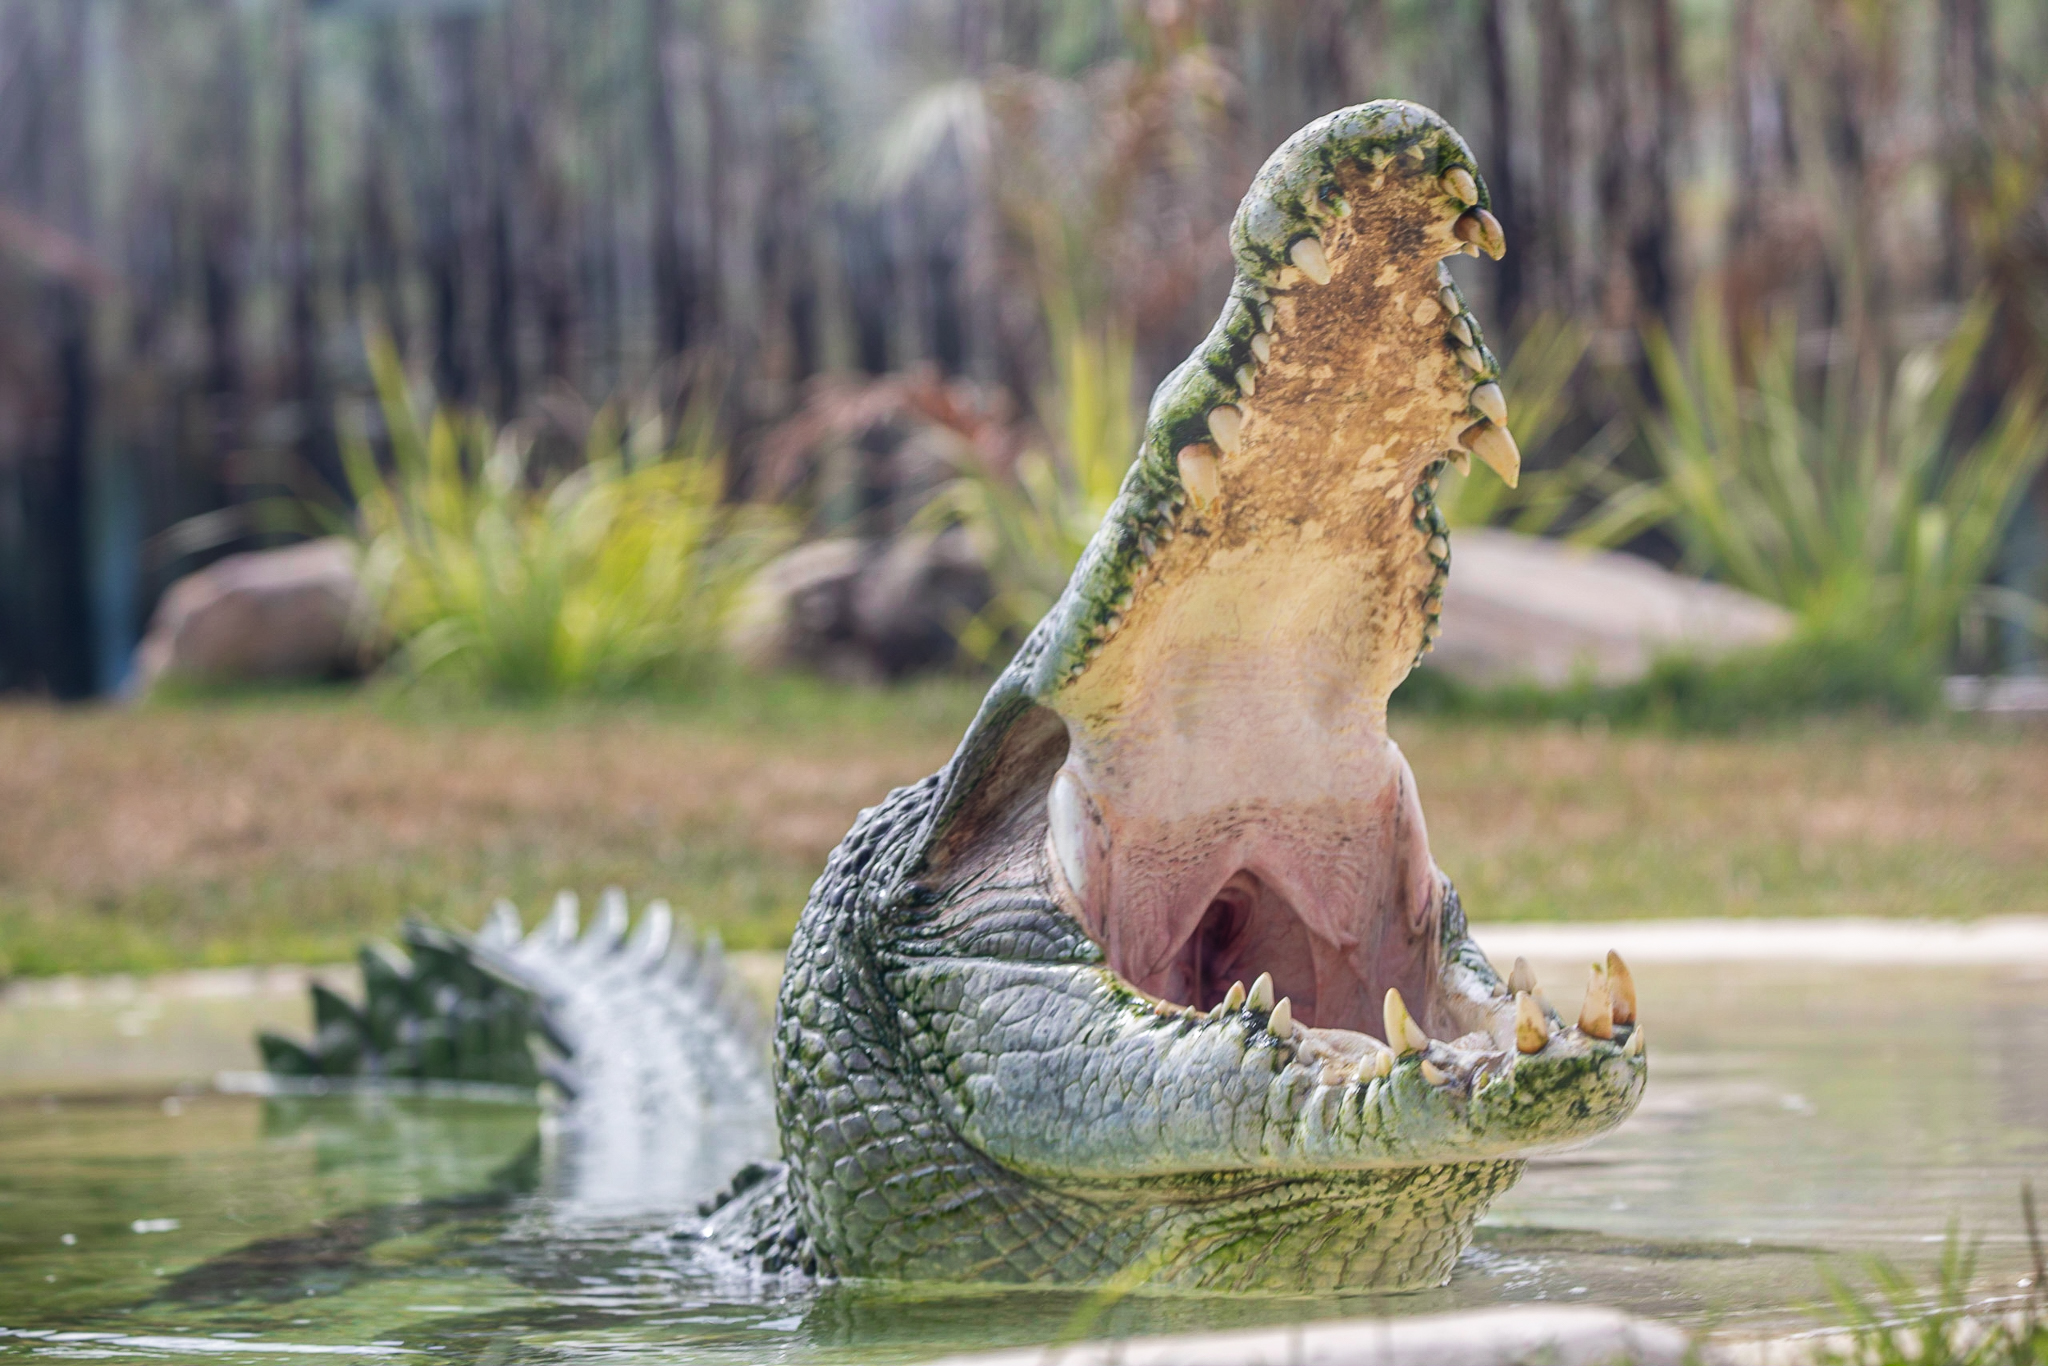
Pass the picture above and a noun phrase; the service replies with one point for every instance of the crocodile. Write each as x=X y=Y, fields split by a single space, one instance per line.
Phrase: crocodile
x=1156 y=981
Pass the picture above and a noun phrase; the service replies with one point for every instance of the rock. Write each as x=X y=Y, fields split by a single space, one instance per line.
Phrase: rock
x=1523 y=608
x=264 y=616
x=859 y=609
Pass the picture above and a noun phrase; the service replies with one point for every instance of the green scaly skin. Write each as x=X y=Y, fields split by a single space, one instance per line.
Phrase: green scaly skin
x=966 y=1089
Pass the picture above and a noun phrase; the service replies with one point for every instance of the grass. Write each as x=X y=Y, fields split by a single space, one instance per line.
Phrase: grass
x=286 y=827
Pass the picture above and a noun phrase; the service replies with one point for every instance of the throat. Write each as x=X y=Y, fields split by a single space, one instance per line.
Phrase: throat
x=1201 y=846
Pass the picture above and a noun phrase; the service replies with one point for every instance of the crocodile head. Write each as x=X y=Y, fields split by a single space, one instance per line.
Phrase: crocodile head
x=1157 y=981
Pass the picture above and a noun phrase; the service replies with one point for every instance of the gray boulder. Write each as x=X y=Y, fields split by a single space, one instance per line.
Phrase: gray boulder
x=861 y=609
x=264 y=616
x=1523 y=608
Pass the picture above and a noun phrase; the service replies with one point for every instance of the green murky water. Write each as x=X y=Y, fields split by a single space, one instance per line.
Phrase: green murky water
x=1794 y=1115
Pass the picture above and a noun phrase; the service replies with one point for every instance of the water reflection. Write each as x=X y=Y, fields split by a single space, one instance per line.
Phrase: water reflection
x=1792 y=1112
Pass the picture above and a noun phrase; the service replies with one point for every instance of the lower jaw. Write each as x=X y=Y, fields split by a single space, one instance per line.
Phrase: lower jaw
x=1394 y=1228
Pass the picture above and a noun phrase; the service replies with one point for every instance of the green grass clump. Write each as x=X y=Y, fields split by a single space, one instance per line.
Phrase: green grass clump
x=619 y=576
x=1861 y=506
x=1904 y=1325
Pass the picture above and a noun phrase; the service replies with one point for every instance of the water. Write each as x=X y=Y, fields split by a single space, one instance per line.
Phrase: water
x=1798 y=1115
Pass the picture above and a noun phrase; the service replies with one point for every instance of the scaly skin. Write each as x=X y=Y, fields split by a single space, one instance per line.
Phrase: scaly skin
x=967 y=1089
x=1004 y=1048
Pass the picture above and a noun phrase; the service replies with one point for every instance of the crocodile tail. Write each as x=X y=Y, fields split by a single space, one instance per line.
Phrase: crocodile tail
x=655 y=1049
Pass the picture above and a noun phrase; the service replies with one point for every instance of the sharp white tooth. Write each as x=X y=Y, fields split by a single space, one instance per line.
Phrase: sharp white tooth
x=1496 y=446
x=1416 y=153
x=1281 y=1021
x=1262 y=347
x=1462 y=330
x=1449 y=298
x=1247 y=380
x=1404 y=1036
x=1226 y=424
x=1459 y=185
x=1199 y=474
x=1596 y=1016
x=1266 y=317
x=1634 y=1047
x=1433 y=1074
x=1383 y=1064
x=1473 y=362
x=1480 y=230
x=1463 y=460
x=1439 y=548
x=1066 y=809
x=1310 y=260
x=1522 y=977
x=1261 y=998
x=1233 y=999
x=1621 y=989
x=1488 y=399
x=1532 y=1026
x=1333 y=1075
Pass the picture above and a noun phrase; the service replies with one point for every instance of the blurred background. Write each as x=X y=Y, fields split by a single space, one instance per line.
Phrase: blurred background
x=805 y=236
x=610 y=396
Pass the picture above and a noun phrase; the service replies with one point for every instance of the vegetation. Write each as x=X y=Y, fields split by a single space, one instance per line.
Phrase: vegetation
x=1863 y=508
x=285 y=827
x=1906 y=1325
x=1030 y=524
x=619 y=575
x=541 y=200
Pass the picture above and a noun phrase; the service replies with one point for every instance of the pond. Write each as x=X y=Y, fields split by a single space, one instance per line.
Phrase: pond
x=1801 y=1115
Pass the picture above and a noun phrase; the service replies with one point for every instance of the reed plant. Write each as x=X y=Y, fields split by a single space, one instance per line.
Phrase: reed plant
x=1861 y=505
x=617 y=576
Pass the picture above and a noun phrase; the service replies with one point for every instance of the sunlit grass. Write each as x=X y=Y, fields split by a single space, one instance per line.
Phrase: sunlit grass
x=287 y=827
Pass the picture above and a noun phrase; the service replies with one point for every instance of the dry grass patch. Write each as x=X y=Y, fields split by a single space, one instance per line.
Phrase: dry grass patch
x=287 y=829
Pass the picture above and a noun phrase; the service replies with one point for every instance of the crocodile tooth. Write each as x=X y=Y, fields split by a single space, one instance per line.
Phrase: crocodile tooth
x=1469 y=250
x=1308 y=257
x=1621 y=989
x=1481 y=230
x=1634 y=1047
x=1532 y=1026
x=1266 y=317
x=1433 y=1074
x=1458 y=184
x=1066 y=812
x=1261 y=998
x=1334 y=1075
x=1451 y=303
x=1341 y=206
x=1226 y=424
x=1233 y=999
x=1403 y=1034
x=1596 y=1016
x=1496 y=446
x=1439 y=548
x=1262 y=347
x=1383 y=1064
x=1470 y=358
x=1199 y=475
x=1522 y=977
x=1488 y=399
x=1417 y=152
x=1463 y=460
x=1247 y=380
x=1281 y=1021
x=1462 y=330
